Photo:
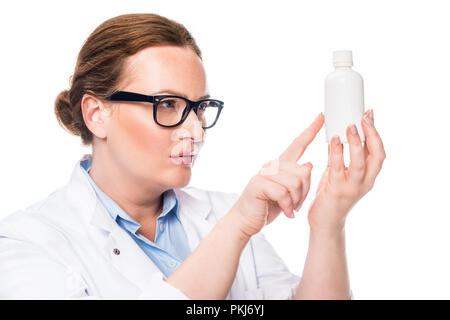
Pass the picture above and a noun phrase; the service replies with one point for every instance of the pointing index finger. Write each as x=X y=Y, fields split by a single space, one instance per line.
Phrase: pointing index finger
x=297 y=147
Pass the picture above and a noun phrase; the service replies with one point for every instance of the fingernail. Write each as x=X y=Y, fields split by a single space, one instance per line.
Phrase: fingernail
x=337 y=140
x=353 y=130
x=371 y=115
x=368 y=120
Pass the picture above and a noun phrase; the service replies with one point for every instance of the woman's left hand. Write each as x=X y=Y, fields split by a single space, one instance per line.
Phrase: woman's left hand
x=340 y=187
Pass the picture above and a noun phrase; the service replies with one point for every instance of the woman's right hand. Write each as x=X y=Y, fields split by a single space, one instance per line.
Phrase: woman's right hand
x=281 y=185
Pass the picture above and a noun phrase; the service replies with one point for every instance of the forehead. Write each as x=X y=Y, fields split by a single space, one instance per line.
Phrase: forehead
x=165 y=67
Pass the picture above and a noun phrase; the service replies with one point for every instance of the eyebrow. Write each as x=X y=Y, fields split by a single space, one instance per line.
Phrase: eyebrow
x=179 y=94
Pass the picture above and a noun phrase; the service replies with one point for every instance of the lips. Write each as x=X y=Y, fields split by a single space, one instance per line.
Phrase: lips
x=184 y=158
x=184 y=154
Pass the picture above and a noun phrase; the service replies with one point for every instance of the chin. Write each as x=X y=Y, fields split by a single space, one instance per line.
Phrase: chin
x=179 y=177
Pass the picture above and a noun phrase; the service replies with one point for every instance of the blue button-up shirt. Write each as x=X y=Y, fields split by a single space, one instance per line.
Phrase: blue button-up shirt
x=171 y=245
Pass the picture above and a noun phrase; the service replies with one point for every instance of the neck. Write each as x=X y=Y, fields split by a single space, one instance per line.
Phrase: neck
x=139 y=200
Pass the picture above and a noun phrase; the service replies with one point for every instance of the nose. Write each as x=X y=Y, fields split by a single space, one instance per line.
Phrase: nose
x=194 y=126
x=190 y=135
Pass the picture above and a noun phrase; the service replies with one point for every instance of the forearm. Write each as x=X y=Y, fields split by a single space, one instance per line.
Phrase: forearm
x=325 y=274
x=209 y=271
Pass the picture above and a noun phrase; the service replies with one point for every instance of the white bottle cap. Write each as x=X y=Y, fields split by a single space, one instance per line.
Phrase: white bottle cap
x=342 y=58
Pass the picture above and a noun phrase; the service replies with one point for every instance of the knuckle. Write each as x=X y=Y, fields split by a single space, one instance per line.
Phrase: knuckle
x=295 y=183
x=288 y=202
x=279 y=193
x=284 y=193
x=359 y=166
x=337 y=168
x=283 y=196
x=298 y=184
x=356 y=146
x=381 y=157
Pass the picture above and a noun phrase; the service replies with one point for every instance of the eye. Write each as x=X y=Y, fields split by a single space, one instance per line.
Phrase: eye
x=214 y=104
x=203 y=105
x=208 y=103
x=167 y=103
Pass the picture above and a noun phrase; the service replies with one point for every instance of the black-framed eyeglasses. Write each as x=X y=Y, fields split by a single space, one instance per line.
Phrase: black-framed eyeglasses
x=170 y=111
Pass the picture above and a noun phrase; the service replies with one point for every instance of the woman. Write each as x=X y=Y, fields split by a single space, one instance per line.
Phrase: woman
x=127 y=227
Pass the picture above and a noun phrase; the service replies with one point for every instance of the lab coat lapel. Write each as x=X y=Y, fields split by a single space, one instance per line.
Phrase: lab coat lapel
x=122 y=251
x=194 y=211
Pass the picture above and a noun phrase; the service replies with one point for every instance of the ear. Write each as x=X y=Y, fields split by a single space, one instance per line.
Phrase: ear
x=94 y=115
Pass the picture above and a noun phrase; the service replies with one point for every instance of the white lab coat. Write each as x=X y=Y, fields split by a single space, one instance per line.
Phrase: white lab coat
x=63 y=248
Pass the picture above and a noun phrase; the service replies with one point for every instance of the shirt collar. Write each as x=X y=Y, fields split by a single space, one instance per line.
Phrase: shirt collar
x=170 y=201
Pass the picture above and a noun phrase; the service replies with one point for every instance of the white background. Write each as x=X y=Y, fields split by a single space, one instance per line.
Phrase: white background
x=267 y=61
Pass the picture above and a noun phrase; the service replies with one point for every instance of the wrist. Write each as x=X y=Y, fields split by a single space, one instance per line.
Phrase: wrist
x=231 y=222
x=326 y=220
x=330 y=228
x=334 y=232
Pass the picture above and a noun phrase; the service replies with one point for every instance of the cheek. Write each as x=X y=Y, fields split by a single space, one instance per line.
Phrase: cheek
x=136 y=137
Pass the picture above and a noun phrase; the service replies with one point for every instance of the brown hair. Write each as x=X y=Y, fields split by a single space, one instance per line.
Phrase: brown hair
x=99 y=67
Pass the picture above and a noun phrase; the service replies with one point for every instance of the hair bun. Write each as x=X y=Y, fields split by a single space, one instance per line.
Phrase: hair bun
x=64 y=113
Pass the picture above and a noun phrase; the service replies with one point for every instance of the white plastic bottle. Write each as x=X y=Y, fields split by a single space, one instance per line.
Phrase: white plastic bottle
x=344 y=97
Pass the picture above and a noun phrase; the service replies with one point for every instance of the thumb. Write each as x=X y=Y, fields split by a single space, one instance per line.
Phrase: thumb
x=308 y=164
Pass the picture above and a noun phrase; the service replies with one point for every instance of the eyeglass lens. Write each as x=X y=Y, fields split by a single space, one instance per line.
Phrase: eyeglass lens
x=169 y=111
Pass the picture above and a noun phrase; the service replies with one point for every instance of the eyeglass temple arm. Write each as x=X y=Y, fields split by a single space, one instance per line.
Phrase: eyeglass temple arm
x=129 y=96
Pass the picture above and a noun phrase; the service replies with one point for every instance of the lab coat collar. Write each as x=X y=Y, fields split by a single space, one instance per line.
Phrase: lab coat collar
x=193 y=200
